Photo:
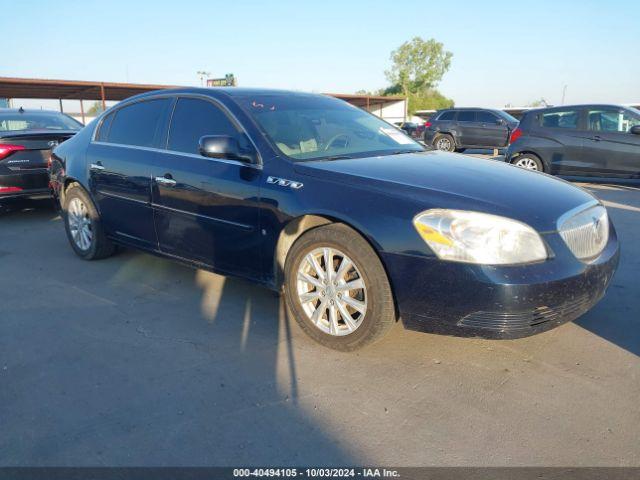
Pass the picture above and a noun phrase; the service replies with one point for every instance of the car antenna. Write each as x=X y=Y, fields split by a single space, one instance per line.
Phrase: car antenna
x=21 y=110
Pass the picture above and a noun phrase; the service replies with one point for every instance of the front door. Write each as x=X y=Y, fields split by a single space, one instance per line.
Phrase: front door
x=610 y=147
x=121 y=161
x=206 y=210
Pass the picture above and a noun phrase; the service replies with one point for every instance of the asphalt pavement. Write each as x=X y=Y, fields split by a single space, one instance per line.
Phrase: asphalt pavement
x=135 y=360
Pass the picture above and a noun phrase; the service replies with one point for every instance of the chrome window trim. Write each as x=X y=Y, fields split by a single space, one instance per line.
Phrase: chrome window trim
x=176 y=97
x=173 y=152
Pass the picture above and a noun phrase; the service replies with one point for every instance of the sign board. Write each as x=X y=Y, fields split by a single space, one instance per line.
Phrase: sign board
x=229 y=80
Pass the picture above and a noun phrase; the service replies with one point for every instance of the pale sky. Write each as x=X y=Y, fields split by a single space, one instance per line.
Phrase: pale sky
x=503 y=51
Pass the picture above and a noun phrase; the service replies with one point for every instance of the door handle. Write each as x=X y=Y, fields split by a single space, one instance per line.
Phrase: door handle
x=167 y=181
x=96 y=166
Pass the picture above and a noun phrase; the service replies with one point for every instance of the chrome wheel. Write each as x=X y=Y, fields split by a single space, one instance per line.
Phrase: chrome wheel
x=443 y=143
x=526 y=162
x=332 y=291
x=79 y=223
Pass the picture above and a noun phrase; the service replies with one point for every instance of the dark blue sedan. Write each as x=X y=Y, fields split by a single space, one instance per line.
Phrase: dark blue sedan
x=349 y=217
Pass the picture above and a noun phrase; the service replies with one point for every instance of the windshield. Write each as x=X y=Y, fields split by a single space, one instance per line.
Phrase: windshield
x=15 y=122
x=312 y=127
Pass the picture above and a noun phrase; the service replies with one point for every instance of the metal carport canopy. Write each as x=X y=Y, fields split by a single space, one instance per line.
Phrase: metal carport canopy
x=103 y=91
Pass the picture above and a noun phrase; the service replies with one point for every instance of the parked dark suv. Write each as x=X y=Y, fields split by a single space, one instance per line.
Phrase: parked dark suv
x=456 y=129
x=581 y=140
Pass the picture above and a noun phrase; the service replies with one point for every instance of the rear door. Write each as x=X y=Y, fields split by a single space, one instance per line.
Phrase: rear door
x=610 y=148
x=563 y=132
x=121 y=160
x=467 y=127
x=206 y=209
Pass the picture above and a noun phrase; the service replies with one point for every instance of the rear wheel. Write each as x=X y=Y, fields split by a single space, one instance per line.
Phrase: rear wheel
x=337 y=289
x=82 y=224
x=528 y=161
x=444 y=142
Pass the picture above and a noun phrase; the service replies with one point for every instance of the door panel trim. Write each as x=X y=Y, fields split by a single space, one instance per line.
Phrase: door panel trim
x=206 y=217
x=121 y=197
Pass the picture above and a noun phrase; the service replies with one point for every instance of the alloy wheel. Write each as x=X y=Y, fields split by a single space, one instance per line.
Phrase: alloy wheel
x=79 y=224
x=443 y=144
x=528 y=163
x=332 y=291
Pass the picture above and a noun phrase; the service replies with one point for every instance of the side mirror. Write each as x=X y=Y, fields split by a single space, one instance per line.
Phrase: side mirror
x=635 y=129
x=222 y=146
x=500 y=121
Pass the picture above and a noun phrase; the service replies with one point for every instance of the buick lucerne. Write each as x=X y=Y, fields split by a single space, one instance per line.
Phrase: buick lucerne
x=351 y=219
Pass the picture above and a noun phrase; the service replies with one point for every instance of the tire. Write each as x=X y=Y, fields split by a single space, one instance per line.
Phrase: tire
x=78 y=207
x=444 y=142
x=460 y=150
x=528 y=161
x=371 y=322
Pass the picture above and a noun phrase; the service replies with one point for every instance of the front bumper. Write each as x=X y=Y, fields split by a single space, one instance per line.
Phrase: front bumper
x=499 y=302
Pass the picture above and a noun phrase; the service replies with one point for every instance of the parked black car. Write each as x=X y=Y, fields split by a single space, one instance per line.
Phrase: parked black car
x=581 y=140
x=413 y=129
x=356 y=222
x=456 y=129
x=26 y=140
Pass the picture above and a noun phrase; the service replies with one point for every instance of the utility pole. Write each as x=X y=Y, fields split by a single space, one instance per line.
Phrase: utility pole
x=564 y=93
x=202 y=75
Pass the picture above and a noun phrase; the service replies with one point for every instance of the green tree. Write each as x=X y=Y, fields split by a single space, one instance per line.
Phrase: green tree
x=95 y=109
x=418 y=65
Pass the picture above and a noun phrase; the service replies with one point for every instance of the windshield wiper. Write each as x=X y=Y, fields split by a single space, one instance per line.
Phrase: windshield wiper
x=400 y=152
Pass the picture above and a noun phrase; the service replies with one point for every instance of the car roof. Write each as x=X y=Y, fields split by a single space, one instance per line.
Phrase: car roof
x=217 y=92
x=575 y=106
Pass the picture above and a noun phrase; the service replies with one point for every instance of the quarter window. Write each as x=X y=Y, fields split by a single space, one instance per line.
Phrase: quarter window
x=194 y=118
x=447 y=115
x=103 y=132
x=467 y=116
x=141 y=124
x=611 y=120
x=560 y=119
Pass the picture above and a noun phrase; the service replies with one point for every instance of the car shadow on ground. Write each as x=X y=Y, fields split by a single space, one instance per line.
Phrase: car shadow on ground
x=617 y=317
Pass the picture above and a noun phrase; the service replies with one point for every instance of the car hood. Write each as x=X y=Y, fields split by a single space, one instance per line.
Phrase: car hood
x=447 y=180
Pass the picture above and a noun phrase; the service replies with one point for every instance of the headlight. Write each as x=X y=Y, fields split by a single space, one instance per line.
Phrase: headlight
x=473 y=237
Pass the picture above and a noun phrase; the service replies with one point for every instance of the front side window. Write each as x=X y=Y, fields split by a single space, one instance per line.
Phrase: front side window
x=560 y=119
x=611 y=120
x=16 y=122
x=195 y=118
x=486 y=117
x=310 y=127
x=467 y=116
x=140 y=124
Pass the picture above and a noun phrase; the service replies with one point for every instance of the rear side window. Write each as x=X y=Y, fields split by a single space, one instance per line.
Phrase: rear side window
x=559 y=119
x=450 y=115
x=141 y=124
x=486 y=117
x=467 y=116
x=194 y=118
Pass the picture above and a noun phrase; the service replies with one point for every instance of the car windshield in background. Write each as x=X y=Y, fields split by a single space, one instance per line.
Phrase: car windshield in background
x=37 y=121
x=315 y=127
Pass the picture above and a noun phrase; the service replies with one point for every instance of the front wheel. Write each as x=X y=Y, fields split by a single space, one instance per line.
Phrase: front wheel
x=82 y=224
x=337 y=289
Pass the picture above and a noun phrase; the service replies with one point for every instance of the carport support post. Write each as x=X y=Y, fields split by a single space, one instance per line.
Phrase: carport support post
x=60 y=102
x=82 y=112
x=104 y=104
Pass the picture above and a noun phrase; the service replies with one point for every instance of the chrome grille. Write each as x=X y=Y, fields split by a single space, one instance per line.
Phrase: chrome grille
x=586 y=232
